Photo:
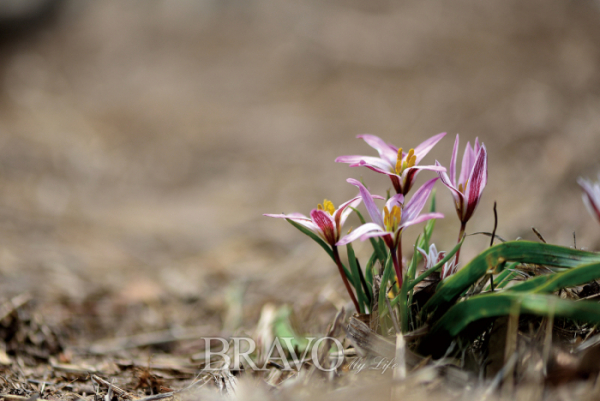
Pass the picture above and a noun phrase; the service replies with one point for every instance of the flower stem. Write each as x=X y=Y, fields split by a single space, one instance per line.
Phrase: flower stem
x=336 y=255
x=397 y=259
x=463 y=226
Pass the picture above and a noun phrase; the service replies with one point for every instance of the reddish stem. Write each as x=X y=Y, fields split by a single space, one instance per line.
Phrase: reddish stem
x=463 y=226
x=397 y=259
x=336 y=255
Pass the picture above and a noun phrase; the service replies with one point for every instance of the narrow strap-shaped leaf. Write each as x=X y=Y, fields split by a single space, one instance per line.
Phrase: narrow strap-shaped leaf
x=495 y=257
x=404 y=306
x=504 y=278
x=457 y=318
x=388 y=271
x=549 y=283
x=362 y=299
x=369 y=272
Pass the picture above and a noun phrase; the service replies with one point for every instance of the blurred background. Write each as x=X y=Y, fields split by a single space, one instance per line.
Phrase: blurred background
x=141 y=141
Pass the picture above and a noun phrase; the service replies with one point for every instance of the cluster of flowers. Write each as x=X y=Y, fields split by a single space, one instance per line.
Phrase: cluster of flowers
x=402 y=168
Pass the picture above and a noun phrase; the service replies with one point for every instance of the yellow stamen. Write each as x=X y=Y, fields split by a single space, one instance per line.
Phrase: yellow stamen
x=386 y=216
x=396 y=215
x=402 y=163
x=412 y=161
x=391 y=220
x=327 y=206
x=398 y=169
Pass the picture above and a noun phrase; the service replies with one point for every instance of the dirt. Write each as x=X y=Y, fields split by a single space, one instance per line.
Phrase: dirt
x=141 y=142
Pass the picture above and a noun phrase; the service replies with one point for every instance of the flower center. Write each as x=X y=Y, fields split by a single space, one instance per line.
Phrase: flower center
x=462 y=188
x=327 y=206
x=403 y=163
x=391 y=220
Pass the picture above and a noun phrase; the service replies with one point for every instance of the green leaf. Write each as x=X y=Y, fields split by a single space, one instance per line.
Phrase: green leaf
x=387 y=274
x=369 y=272
x=403 y=296
x=494 y=259
x=362 y=299
x=505 y=277
x=499 y=304
x=549 y=283
x=433 y=202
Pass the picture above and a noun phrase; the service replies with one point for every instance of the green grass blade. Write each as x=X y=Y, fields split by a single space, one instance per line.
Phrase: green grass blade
x=549 y=283
x=495 y=257
x=403 y=296
x=511 y=276
x=388 y=271
x=369 y=272
x=362 y=299
x=499 y=304
x=504 y=278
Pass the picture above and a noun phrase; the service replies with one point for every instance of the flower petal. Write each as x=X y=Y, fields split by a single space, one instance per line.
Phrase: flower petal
x=453 y=162
x=414 y=206
x=422 y=218
x=386 y=151
x=467 y=165
x=458 y=197
x=376 y=234
x=591 y=197
x=325 y=223
x=377 y=163
x=298 y=218
x=358 y=232
x=477 y=181
x=369 y=203
x=374 y=168
x=424 y=147
x=396 y=200
x=349 y=159
x=345 y=209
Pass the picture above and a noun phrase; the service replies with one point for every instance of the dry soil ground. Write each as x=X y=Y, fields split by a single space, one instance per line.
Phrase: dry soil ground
x=140 y=142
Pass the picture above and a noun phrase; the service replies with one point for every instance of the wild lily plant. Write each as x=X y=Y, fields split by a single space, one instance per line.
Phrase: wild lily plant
x=521 y=276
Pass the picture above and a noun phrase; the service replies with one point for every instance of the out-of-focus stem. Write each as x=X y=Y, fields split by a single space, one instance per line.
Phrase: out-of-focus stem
x=336 y=255
x=463 y=226
x=397 y=259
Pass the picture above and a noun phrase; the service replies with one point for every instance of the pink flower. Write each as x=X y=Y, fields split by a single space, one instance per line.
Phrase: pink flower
x=325 y=220
x=394 y=217
x=389 y=223
x=434 y=257
x=467 y=190
x=591 y=196
x=401 y=167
